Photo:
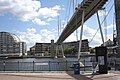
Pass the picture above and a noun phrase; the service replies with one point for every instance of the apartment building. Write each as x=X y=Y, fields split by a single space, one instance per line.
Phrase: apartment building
x=40 y=48
x=10 y=45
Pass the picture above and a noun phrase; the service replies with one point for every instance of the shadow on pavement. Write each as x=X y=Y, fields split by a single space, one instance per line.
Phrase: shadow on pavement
x=80 y=77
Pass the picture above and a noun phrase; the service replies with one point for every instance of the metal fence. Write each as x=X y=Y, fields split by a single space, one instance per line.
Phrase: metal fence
x=114 y=63
x=45 y=66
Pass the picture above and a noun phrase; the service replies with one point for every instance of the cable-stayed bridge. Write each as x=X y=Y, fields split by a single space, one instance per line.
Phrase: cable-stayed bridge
x=89 y=7
x=82 y=13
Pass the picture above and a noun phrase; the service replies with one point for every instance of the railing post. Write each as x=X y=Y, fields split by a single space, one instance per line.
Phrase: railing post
x=66 y=65
x=94 y=64
x=49 y=66
x=33 y=66
x=4 y=65
x=84 y=65
x=18 y=66
x=115 y=65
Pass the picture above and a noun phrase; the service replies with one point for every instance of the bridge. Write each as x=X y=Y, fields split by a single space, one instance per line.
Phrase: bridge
x=82 y=13
x=89 y=7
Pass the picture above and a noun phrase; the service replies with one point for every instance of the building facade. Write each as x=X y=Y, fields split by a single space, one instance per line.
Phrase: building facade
x=110 y=46
x=39 y=49
x=75 y=44
x=10 y=45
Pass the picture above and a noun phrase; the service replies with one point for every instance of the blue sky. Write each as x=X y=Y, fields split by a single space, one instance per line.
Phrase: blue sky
x=37 y=20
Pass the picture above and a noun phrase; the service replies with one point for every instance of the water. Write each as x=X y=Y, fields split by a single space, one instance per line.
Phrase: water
x=44 y=59
x=42 y=64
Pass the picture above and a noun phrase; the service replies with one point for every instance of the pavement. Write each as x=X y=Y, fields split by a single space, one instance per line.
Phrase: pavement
x=58 y=76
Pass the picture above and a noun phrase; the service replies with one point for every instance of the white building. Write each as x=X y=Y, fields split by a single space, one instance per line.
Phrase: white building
x=10 y=45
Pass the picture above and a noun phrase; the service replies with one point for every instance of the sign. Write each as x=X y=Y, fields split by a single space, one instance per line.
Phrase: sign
x=101 y=60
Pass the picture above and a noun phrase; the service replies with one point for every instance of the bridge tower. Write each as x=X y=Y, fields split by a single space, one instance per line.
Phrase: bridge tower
x=117 y=17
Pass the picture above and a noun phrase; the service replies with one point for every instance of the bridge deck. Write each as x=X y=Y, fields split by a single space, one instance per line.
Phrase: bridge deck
x=90 y=7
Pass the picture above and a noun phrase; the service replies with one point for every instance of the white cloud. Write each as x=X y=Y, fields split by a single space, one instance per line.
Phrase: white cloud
x=26 y=10
x=102 y=13
x=39 y=22
x=31 y=36
x=56 y=8
x=110 y=26
x=47 y=35
x=50 y=19
x=22 y=9
x=88 y=33
x=97 y=40
x=72 y=37
x=31 y=30
x=49 y=12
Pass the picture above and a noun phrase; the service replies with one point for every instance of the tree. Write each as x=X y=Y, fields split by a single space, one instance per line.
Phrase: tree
x=92 y=51
x=46 y=53
x=70 y=50
x=29 y=53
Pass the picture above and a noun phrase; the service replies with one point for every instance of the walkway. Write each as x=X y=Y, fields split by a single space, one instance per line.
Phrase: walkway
x=58 y=76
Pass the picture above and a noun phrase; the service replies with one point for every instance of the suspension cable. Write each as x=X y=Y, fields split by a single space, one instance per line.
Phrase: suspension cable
x=65 y=18
x=101 y=23
x=69 y=12
x=105 y=25
x=76 y=23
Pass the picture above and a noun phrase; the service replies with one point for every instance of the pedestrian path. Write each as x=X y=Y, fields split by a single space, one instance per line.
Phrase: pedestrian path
x=59 y=76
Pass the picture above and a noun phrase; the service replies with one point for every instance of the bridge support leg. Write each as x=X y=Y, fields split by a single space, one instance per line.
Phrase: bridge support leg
x=81 y=33
x=100 y=29
x=62 y=51
x=56 y=51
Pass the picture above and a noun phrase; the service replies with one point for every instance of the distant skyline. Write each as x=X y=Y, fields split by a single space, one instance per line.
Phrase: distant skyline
x=37 y=20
